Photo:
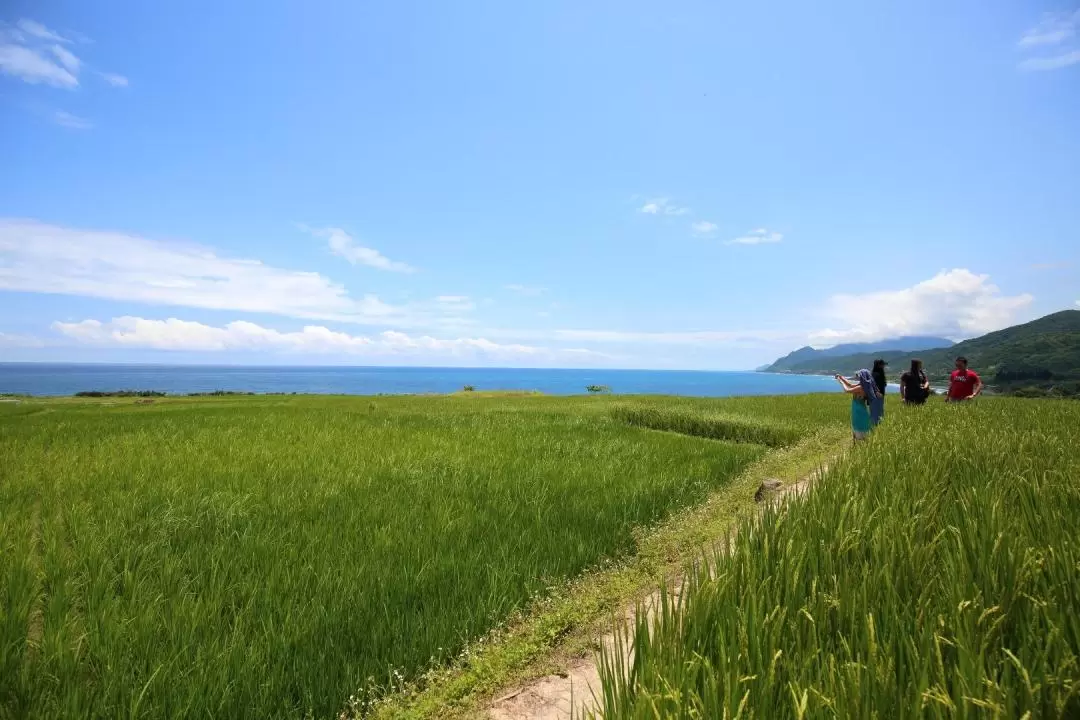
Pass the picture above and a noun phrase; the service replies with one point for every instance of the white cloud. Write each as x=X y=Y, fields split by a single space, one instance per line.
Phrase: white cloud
x=66 y=58
x=41 y=258
x=1054 y=62
x=74 y=122
x=9 y=340
x=694 y=337
x=527 y=290
x=175 y=334
x=37 y=55
x=662 y=206
x=1053 y=29
x=703 y=227
x=39 y=31
x=343 y=245
x=759 y=236
x=115 y=80
x=455 y=303
x=1056 y=34
x=32 y=65
x=955 y=304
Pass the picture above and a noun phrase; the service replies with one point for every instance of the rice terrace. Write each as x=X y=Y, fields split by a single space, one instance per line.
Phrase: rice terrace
x=549 y=360
x=320 y=556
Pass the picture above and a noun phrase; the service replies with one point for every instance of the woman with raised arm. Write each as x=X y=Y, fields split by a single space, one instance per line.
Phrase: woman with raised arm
x=862 y=391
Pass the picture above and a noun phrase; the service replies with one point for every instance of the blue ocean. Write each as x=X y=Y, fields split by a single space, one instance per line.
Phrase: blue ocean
x=67 y=379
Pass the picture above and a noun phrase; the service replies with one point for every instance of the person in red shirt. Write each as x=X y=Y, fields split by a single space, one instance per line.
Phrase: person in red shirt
x=964 y=384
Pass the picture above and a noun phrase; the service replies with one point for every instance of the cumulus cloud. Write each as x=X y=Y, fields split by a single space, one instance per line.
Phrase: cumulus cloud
x=175 y=334
x=42 y=258
x=343 y=245
x=760 y=236
x=1052 y=43
x=955 y=304
x=703 y=227
x=662 y=206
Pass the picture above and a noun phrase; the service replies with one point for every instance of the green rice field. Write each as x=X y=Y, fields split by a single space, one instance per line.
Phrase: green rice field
x=932 y=573
x=275 y=556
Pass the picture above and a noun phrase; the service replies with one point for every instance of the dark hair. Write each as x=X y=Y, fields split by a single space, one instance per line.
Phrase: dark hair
x=879 y=365
x=962 y=359
x=916 y=366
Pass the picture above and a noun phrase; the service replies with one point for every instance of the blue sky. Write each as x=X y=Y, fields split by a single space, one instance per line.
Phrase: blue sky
x=626 y=184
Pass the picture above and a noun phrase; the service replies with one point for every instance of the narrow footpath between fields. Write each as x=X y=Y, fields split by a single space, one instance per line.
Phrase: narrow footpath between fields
x=544 y=664
x=574 y=692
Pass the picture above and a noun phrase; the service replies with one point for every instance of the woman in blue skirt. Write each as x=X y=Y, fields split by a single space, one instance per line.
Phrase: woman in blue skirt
x=863 y=393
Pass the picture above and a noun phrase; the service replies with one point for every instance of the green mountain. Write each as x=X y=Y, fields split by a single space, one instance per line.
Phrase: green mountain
x=1039 y=357
x=894 y=345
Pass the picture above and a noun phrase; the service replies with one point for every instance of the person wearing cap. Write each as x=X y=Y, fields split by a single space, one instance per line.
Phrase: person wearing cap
x=877 y=405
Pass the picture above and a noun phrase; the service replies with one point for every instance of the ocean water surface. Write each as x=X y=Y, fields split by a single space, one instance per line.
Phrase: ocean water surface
x=69 y=378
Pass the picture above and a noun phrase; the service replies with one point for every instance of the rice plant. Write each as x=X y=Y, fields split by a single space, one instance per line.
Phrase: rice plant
x=935 y=572
x=272 y=556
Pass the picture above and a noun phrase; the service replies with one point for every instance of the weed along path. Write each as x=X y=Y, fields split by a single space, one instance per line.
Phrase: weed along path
x=576 y=690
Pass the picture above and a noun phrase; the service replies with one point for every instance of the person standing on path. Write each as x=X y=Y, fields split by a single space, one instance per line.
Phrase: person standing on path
x=914 y=385
x=862 y=390
x=877 y=405
x=964 y=384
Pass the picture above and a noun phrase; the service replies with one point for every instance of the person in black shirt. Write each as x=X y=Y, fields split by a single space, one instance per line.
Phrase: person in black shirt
x=877 y=405
x=914 y=387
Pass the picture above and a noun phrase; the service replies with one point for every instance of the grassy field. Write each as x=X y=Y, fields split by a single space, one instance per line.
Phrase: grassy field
x=273 y=556
x=934 y=572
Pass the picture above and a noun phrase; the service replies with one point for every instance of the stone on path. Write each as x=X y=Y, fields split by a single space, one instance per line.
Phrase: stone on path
x=767 y=486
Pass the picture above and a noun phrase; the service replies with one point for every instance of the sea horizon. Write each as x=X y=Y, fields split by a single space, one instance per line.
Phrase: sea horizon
x=70 y=377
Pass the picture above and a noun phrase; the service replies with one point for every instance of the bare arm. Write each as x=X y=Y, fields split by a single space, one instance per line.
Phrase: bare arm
x=850 y=387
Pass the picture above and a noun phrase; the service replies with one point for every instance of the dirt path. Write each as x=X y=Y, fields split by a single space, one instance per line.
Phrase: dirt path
x=574 y=693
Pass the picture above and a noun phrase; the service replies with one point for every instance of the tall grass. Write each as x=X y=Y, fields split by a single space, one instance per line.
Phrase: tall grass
x=269 y=557
x=717 y=426
x=934 y=573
